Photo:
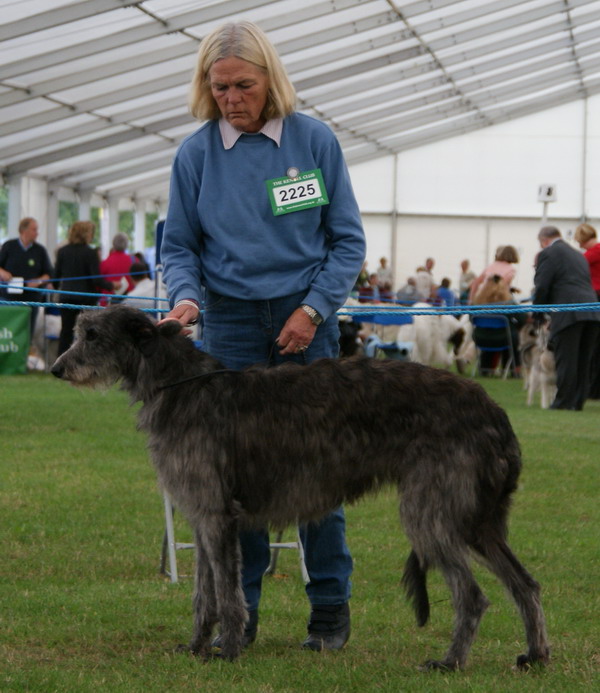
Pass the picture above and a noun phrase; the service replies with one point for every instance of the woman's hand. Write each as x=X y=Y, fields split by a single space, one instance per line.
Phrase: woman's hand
x=297 y=333
x=184 y=313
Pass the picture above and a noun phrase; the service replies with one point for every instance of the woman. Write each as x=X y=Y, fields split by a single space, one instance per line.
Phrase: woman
x=77 y=259
x=504 y=266
x=495 y=290
x=465 y=280
x=117 y=266
x=586 y=237
x=262 y=217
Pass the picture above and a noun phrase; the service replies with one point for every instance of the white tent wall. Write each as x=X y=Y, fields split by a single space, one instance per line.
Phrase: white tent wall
x=456 y=198
x=463 y=197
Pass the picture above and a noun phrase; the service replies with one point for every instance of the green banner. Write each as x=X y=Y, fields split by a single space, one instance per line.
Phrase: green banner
x=14 y=339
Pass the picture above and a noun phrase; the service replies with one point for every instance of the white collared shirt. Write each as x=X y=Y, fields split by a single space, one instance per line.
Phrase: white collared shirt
x=272 y=129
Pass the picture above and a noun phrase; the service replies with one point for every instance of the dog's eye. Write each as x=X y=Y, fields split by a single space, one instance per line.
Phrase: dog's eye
x=91 y=333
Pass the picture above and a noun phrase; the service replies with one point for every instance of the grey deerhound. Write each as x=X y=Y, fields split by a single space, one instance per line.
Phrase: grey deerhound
x=271 y=447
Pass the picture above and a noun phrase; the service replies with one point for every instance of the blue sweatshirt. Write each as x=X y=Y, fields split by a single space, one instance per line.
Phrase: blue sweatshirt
x=221 y=231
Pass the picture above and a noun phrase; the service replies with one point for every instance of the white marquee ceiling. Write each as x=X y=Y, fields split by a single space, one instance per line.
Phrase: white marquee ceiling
x=93 y=93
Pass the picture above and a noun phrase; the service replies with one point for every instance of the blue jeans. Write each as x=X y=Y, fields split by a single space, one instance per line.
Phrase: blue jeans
x=241 y=333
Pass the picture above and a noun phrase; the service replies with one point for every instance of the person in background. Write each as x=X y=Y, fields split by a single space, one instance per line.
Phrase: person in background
x=274 y=275
x=117 y=265
x=77 y=259
x=408 y=293
x=370 y=293
x=384 y=274
x=586 y=237
x=495 y=290
x=361 y=281
x=562 y=276
x=464 y=282
x=25 y=258
x=423 y=283
x=504 y=266
x=444 y=293
x=143 y=290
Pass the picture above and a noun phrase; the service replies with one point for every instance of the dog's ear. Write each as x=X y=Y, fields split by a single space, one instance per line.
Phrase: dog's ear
x=143 y=332
x=169 y=328
x=147 y=340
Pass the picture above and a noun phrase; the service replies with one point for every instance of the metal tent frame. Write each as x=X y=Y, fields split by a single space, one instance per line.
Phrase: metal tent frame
x=93 y=92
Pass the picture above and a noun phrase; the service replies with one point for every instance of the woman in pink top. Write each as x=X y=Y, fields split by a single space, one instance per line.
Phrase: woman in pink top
x=503 y=266
x=585 y=235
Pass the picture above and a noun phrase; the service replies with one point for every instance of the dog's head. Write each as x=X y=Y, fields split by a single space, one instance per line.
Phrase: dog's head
x=109 y=346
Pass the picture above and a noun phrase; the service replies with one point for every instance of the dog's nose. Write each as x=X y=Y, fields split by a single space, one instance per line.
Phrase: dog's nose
x=57 y=370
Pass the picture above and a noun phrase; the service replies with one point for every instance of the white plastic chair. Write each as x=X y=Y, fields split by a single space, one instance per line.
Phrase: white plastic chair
x=170 y=547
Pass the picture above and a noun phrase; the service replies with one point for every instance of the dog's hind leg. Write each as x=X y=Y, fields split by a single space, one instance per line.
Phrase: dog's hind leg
x=435 y=499
x=526 y=593
x=469 y=606
x=205 y=602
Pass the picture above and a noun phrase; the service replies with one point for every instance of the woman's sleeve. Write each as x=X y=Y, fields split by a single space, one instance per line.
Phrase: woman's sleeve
x=180 y=251
x=345 y=234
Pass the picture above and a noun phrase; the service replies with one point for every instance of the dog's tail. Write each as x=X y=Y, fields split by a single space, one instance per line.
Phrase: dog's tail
x=414 y=581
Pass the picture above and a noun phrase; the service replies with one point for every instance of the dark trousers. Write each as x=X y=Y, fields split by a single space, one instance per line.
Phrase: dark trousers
x=68 y=317
x=574 y=350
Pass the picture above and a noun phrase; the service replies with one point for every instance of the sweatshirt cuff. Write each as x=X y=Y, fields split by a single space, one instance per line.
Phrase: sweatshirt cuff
x=317 y=301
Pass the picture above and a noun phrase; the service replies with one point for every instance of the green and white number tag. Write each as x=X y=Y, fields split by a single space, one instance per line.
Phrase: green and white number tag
x=301 y=192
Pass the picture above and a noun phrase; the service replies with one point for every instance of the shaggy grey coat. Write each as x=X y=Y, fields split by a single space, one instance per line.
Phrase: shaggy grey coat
x=272 y=447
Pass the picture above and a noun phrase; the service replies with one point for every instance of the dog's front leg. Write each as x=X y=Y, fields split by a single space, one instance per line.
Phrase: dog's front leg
x=205 y=600
x=223 y=546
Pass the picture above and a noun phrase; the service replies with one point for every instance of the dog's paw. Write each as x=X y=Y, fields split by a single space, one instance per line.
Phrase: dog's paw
x=199 y=652
x=525 y=662
x=229 y=654
x=436 y=665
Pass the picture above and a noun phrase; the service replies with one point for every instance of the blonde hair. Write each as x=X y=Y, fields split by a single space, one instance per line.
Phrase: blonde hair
x=81 y=232
x=243 y=40
x=584 y=233
x=493 y=290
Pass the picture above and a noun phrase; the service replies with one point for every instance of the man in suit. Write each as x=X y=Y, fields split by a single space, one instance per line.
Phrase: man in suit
x=563 y=276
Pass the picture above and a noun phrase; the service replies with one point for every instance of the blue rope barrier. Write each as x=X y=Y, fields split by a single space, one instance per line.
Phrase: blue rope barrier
x=355 y=311
x=81 y=293
x=74 y=306
x=93 y=276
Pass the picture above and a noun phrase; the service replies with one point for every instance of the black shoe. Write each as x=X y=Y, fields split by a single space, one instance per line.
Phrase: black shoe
x=328 y=628
x=249 y=631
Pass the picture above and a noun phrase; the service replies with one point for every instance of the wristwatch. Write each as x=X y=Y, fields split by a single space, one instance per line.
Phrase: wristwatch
x=314 y=316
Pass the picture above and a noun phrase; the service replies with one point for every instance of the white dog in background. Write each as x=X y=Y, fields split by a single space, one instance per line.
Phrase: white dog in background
x=433 y=334
x=431 y=337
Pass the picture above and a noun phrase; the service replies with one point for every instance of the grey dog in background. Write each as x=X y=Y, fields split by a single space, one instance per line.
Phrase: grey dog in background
x=271 y=447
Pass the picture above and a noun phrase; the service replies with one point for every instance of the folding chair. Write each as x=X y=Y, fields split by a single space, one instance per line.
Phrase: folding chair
x=170 y=547
x=494 y=322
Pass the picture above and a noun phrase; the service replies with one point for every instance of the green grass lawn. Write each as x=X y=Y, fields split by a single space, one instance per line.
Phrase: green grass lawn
x=83 y=607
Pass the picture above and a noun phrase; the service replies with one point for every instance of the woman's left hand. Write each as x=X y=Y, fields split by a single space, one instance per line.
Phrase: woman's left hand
x=297 y=333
